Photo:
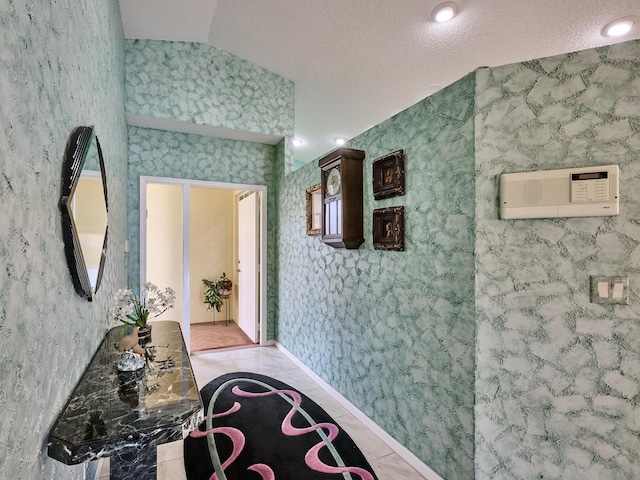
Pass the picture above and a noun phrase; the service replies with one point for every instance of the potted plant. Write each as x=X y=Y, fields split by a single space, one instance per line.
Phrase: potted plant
x=211 y=295
x=135 y=310
x=224 y=285
x=216 y=291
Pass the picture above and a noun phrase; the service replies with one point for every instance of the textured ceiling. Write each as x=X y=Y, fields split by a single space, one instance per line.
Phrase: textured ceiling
x=356 y=63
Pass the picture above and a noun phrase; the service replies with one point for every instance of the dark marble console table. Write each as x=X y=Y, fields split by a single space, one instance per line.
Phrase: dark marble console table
x=126 y=415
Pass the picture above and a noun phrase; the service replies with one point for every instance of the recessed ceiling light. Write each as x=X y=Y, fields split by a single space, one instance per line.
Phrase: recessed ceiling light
x=619 y=27
x=296 y=142
x=340 y=141
x=445 y=12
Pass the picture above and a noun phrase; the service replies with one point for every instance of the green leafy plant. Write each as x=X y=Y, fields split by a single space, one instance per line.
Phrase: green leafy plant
x=214 y=291
x=211 y=295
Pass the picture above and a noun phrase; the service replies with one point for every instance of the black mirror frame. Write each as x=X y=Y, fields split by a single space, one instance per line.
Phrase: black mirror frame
x=77 y=147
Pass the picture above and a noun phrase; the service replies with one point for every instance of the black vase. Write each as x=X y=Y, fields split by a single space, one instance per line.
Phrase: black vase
x=144 y=334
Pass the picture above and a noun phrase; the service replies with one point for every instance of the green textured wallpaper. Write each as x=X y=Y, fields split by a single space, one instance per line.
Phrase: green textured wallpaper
x=61 y=65
x=557 y=377
x=199 y=84
x=394 y=331
x=477 y=348
x=178 y=155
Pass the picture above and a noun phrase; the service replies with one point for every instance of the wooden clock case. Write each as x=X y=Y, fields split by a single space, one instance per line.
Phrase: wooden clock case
x=342 y=212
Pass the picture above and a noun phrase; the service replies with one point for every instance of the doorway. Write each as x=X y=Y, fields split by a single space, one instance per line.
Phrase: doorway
x=190 y=230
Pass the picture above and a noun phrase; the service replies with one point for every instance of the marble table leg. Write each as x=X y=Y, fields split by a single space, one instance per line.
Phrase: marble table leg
x=134 y=464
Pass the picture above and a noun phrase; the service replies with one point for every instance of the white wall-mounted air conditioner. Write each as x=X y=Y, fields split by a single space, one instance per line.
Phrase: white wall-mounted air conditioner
x=570 y=192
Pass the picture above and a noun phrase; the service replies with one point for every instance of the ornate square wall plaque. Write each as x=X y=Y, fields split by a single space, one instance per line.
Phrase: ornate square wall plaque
x=388 y=229
x=388 y=175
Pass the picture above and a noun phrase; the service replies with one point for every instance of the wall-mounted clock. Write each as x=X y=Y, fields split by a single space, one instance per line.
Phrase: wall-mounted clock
x=342 y=198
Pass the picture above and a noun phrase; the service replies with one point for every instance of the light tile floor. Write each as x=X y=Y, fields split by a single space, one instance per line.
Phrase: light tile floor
x=270 y=361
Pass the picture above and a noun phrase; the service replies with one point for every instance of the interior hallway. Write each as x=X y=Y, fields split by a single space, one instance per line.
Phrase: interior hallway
x=270 y=361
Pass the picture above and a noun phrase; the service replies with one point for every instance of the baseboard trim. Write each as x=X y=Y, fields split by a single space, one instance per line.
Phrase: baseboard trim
x=396 y=446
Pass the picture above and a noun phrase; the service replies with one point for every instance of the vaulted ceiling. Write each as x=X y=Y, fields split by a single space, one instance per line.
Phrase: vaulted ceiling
x=356 y=63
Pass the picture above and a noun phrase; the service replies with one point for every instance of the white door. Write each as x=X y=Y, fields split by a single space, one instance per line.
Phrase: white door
x=248 y=259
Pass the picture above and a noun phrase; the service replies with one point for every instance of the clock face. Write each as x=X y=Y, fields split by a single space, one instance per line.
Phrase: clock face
x=333 y=181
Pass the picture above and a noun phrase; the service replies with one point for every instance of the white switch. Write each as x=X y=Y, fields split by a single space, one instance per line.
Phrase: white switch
x=618 y=290
x=603 y=289
x=609 y=289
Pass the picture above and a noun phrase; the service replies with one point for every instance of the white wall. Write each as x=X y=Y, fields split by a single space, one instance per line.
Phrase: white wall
x=164 y=242
x=212 y=236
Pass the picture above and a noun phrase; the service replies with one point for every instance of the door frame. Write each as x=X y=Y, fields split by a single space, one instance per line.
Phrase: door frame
x=186 y=257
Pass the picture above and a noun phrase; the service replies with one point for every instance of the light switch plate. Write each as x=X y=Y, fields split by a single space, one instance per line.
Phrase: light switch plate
x=612 y=283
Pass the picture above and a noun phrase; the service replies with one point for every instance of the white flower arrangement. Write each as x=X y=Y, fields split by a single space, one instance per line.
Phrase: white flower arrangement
x=133 y=310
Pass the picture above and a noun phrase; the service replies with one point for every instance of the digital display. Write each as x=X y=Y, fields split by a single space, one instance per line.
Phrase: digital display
x=590 y=187
x=589 y=176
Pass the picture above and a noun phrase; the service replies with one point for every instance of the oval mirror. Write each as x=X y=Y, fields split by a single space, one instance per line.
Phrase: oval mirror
x=83 y=204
